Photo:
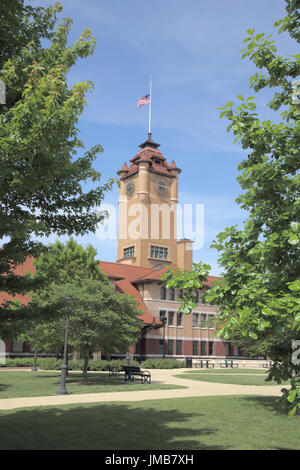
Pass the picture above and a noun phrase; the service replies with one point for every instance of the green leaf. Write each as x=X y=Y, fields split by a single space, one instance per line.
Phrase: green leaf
x=253 y=335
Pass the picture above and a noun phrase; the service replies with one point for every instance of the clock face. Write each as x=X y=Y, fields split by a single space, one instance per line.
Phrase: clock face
x=130 y=189
x=161 y=187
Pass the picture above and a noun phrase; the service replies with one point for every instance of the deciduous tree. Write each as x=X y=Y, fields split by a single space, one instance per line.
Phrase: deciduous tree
x=258 y=294
x=43 y=165
x=99 y=317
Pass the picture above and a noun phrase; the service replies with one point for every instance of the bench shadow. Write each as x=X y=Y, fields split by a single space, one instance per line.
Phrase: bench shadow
x=102 y=427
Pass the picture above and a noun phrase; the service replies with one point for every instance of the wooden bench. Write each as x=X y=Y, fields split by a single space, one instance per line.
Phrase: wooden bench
x=229 y=364
x=132 y=371
x=204 y=362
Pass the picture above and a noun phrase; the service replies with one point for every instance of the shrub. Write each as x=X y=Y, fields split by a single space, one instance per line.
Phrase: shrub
x=161 y=363
x=18 y=362
x=103 y=365
x=49 y=363
x=75 y=364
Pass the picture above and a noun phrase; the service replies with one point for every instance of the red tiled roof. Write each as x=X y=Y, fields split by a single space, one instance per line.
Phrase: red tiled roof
x=125 y=271
x=126 y=276
x=149 y=154
x=127 y=288
x=161 y=170
x=20 y=270
x=137 y=274
x=156 y=274
x=134 y=275
x=210 y=280
x=126 y=285
x=123 y=169
x=173 y=166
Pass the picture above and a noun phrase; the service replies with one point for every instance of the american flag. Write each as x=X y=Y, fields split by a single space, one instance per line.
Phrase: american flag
x=144 y=100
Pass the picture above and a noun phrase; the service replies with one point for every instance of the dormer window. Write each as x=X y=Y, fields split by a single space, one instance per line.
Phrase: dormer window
x=157 y=161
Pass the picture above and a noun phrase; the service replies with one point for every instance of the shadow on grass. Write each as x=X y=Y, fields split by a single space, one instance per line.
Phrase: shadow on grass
x=269 y=403
x=102 y=427
x=3 y=387
x=91 y=380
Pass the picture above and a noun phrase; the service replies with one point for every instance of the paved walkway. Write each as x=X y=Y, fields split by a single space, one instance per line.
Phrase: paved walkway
x=194 y=389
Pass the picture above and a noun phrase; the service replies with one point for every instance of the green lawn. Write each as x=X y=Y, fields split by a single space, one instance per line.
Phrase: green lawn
x=34 y=384
x=212 y=423
x=227 y=371
x=234 y=378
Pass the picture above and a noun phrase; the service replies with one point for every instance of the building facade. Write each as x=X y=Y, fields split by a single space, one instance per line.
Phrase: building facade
x=147 y=247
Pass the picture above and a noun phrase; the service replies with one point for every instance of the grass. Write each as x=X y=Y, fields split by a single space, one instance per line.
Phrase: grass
x=227 y=371
x=230 y=377
x=204 y=423
x=15 y=384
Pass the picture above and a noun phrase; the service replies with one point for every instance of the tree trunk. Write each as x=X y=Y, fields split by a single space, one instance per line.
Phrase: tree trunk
x=85 y=367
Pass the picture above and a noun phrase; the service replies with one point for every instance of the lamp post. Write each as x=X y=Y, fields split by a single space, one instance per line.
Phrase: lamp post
x=128 y=358
x=164 y=337
x=64 y=367
x=34 y=368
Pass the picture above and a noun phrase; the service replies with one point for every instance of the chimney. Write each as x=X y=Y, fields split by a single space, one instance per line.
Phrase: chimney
x=185 y=254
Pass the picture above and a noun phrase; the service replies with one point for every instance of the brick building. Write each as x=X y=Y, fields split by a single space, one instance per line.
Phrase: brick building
x=147 y=247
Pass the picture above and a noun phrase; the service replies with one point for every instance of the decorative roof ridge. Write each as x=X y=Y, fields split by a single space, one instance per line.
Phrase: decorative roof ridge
x=149 y=142
x=154 y=153
x=155 y=271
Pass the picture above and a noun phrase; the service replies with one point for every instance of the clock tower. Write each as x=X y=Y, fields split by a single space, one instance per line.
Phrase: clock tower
x=148 y=209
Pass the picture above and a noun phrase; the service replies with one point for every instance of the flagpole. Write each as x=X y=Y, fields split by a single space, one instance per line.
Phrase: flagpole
x=149 y=130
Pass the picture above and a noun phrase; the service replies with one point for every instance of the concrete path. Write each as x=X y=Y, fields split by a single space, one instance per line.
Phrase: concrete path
x=194 y=389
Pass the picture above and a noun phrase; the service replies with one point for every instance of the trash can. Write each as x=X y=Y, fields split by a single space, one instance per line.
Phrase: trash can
x=188 y=362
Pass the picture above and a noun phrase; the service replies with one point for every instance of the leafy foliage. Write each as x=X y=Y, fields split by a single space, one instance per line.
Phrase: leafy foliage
x=187 y=282
x=163 y=364
x=259 y=293
x=100 y=319
x=41 y=174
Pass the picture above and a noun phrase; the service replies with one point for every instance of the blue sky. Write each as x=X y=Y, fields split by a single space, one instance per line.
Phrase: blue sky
x=192 y=50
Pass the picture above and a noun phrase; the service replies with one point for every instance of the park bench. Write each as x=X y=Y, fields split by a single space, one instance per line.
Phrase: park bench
x=266 y=365
x=114 y=370
x=132 y=371
x=204 y=363
x=229 y=364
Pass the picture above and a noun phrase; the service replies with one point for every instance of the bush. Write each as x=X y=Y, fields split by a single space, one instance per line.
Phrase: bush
x=97 y=365
x=163 y=364
x=18 y=362
x=49 y=363
x=75 y=364
x=103 y=365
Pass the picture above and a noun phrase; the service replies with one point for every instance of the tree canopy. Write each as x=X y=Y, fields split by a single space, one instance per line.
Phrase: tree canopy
x=99 y=317
x=44 y=168
x=258 y=294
